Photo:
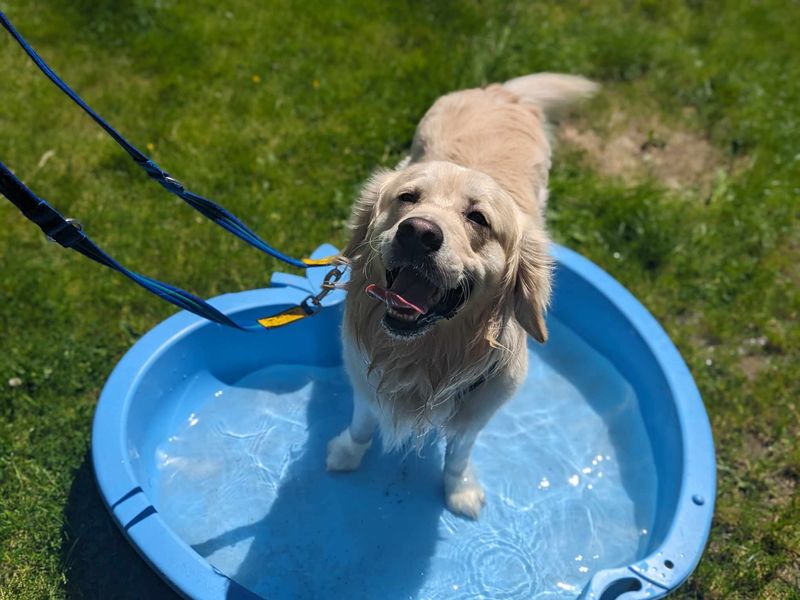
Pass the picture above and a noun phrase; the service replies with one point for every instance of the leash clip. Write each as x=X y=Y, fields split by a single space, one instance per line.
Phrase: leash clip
x=313 y=303
x=332 y=278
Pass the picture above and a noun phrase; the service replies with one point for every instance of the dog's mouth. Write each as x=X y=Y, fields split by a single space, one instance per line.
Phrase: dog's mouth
x=414 y=302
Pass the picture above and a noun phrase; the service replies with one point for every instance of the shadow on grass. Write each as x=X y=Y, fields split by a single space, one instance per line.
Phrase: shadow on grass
x=97 y=559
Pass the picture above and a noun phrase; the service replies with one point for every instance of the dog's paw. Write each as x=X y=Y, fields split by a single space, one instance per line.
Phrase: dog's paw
x=344 y=453
x=464 y=494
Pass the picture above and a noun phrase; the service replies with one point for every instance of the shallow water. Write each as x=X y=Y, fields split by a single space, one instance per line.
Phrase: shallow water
x=566 y=464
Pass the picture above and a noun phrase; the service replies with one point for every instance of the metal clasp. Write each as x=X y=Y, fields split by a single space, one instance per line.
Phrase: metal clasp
x=313 y=303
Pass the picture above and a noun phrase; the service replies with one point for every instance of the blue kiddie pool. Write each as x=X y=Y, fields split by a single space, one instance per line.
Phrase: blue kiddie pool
x=209 y=449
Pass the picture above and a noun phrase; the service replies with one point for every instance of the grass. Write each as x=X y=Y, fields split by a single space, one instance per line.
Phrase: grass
x=281 y=112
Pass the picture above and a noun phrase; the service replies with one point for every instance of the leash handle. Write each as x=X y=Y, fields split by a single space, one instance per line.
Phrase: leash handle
x=211 y=210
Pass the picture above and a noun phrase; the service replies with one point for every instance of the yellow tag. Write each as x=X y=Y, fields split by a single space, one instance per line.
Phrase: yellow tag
x=320 y=262
x=290 y=315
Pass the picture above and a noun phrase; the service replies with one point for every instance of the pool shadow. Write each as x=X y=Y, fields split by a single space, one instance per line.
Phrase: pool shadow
x=367 y=534
x=97 y=559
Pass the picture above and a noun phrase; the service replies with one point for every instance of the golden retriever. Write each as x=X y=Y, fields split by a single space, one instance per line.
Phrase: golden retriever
x=450 y=270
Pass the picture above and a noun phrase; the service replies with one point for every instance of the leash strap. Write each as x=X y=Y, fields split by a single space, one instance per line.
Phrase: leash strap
x=211 y=210
x=61 y=230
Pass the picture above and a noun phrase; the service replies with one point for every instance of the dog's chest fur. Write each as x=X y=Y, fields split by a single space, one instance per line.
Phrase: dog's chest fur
x=419 y=386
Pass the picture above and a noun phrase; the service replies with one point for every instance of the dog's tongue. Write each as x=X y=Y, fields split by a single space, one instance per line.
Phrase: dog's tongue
x=408 y=291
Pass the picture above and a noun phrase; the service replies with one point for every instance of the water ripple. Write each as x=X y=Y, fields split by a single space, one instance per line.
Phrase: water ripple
x=566 y=466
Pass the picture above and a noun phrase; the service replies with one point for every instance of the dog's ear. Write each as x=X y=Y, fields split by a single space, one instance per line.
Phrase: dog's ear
x=364 y=210
x=532 y=283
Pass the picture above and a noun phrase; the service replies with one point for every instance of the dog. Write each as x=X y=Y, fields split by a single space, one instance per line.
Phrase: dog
x=450 y=271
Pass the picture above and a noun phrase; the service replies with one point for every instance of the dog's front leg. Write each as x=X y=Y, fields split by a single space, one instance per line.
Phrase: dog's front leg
x=347 y=449
x=463 y=491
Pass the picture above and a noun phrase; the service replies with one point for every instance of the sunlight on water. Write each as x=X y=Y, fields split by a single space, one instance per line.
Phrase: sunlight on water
x=566 y=464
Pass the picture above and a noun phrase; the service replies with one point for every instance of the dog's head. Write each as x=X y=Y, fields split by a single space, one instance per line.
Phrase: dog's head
x=438 y=241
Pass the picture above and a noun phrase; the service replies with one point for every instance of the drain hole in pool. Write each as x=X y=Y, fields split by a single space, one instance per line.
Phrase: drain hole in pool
x=619 y=587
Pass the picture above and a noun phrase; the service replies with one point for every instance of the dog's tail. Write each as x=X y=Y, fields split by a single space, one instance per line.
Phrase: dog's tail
x=552 y=92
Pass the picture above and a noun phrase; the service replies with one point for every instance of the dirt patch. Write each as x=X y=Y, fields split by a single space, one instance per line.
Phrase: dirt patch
x=763 y=459
x=752 y=359
x=638 y=147
x=790 y=573
x=751 y=366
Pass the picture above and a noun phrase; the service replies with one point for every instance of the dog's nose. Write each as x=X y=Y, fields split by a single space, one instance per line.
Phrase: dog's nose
x=418 y=236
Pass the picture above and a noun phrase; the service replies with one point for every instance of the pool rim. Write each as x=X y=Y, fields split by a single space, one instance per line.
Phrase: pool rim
x=663 y=570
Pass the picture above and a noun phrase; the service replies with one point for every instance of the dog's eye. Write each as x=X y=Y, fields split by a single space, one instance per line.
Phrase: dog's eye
x=410 y=197
x=477 y=217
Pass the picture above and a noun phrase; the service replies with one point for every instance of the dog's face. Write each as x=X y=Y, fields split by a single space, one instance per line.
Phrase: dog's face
x=440 y=241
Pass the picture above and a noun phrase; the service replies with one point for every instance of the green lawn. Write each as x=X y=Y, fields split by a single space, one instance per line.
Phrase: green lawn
x=280 y=112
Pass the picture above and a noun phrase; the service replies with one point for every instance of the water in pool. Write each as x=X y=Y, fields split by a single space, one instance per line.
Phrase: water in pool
x=566 y=464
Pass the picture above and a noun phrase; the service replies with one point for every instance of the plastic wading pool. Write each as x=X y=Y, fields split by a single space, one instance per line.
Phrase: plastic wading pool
x=209 y=450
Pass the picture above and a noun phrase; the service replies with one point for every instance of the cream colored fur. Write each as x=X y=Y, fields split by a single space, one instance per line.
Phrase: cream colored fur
x=480 y=149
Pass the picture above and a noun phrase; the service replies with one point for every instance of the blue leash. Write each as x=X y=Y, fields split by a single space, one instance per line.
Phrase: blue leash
x=209 y=209
x=63 y=231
